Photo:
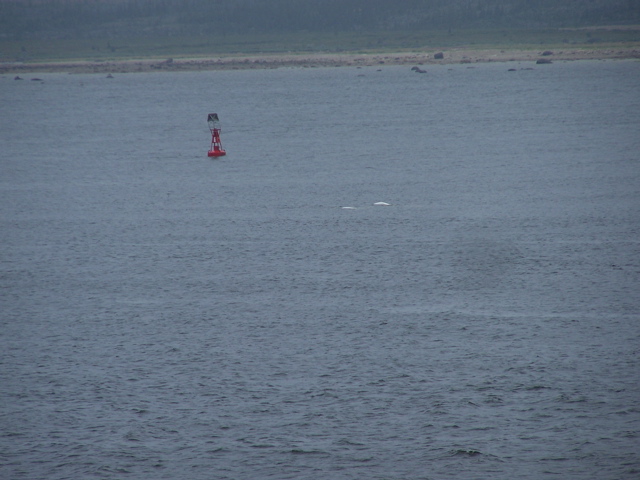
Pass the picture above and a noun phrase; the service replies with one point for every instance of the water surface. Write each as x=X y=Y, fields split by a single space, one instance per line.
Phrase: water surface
x=167 y=315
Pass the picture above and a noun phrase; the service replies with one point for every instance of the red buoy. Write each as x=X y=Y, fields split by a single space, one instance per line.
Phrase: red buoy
x=216 y=146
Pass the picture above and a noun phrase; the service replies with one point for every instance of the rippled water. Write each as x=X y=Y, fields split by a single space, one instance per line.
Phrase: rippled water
x=166 y=315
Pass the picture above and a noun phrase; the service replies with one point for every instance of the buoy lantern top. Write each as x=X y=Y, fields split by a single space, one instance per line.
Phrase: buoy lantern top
x=213 y=120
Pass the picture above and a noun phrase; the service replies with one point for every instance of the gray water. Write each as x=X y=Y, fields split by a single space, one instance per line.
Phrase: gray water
x=169 y=316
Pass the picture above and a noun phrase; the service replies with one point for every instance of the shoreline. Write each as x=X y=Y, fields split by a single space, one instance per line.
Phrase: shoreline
x=306 y=60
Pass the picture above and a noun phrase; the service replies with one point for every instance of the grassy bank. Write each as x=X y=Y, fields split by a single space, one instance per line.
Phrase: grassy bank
x=100 y=50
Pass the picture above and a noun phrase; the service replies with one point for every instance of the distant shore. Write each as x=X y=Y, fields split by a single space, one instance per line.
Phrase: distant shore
x=302 y=60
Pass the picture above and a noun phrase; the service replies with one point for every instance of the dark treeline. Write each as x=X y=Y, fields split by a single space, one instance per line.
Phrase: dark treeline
x=110 y=18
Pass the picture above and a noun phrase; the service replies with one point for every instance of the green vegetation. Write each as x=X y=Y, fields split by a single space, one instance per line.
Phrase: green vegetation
x=36 y=50
x=101 y=30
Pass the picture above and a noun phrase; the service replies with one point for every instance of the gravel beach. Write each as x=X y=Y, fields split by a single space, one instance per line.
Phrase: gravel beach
x=302 y=60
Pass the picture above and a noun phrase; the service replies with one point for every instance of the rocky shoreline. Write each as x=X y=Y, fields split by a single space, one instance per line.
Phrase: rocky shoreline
x=451 y=56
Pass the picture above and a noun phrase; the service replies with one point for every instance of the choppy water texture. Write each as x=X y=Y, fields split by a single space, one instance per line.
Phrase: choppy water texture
x=169 y=316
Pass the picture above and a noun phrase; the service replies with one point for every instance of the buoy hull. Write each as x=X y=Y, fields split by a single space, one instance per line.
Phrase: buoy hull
x=216 y=153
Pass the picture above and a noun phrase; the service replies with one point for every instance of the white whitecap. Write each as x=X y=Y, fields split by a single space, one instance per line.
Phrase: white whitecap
x=348 y=208
x=382 y=204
